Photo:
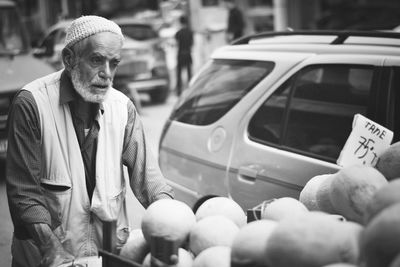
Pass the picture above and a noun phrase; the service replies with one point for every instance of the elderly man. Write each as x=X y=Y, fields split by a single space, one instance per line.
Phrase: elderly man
x=70 y=133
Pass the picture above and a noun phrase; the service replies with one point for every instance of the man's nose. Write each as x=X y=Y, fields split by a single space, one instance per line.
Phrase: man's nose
x=105 y=72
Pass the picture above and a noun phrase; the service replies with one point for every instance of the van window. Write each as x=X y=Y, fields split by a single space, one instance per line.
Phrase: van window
x=218 y=88
x=48 y=43
x=313 y=111
x=394 y=102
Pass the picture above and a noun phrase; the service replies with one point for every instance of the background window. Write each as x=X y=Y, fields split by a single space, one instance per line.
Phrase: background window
x=266 y=125
x=313 y=112
x=48 y=43
x=61 y=37
x=218 y=88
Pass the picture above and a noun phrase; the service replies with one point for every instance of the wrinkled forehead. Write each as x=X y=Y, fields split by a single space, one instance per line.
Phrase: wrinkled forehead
x=104 y=43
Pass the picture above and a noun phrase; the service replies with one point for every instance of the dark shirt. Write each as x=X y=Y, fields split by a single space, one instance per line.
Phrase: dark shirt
x=235 y=22
x=184 y=38
x=87 y=142
x=24 y=158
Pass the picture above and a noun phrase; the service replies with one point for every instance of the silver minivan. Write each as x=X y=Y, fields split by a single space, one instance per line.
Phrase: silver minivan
x=273 y=110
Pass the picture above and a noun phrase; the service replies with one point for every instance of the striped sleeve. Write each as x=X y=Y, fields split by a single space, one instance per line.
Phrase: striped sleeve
x=146 y=180
x=26 y=201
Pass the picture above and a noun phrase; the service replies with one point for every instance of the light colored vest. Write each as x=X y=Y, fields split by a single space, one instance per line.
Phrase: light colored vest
x=63 y=166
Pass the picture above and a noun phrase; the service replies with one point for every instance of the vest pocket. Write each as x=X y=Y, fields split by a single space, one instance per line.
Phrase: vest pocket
x=115 y=203
x=58 y=198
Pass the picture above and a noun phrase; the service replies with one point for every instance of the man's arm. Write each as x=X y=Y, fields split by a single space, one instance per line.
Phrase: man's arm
x=27 y=204
x=146 y=180
x=26 y=201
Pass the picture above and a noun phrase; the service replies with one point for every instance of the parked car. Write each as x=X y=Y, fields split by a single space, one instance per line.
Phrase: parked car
x=50 y=47
x=143 y=68
x=273 y=110
x=18 y=66
x=146 y=69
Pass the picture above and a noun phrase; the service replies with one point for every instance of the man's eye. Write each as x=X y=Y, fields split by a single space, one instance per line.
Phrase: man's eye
x=115 y=63
x=96 y=60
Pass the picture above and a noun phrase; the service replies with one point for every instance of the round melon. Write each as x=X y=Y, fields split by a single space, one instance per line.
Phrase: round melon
x=352 y=188
x=168 y=218
x=308 y=195
x=222 y=206
x=248 y=247
x=216 y=230
x=338 y=217
x=136 y=247
x=313 y=240
x=380 y=240
x=282 y=208
x=217 y=256
x=388 y=163
x=323 y=196
x=384 y=197
x=185 y=259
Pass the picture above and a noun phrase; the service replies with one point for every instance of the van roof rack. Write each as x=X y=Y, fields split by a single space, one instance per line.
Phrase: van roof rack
x=341 y=36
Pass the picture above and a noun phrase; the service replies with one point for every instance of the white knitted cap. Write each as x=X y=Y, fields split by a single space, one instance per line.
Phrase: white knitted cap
x=86 y=26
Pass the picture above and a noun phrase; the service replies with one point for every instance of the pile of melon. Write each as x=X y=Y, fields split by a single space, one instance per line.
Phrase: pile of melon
x=204 y=238
x=348 y=218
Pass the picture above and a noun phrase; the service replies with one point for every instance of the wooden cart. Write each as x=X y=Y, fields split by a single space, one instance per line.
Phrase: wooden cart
x=163 y=252
x=108 y=253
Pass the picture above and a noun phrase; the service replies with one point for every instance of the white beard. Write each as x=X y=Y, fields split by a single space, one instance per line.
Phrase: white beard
x=86 y=89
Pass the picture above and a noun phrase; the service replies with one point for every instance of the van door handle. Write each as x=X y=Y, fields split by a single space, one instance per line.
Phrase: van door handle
x=248 y=173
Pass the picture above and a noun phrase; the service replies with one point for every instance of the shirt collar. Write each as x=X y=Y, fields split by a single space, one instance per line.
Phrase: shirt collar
x=67 y=91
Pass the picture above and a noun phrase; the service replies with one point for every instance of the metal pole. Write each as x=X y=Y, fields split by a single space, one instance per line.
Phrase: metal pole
x=280 y=15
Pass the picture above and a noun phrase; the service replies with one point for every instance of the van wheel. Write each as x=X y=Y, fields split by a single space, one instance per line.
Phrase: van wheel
x=201 y=201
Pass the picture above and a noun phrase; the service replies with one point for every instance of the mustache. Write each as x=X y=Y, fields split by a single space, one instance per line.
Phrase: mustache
x=97 y=81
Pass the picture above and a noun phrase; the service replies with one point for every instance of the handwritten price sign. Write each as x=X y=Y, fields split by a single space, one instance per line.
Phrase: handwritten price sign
x=366 y=142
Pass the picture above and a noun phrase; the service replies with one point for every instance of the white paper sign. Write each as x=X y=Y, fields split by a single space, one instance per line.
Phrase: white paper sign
x=366 y=142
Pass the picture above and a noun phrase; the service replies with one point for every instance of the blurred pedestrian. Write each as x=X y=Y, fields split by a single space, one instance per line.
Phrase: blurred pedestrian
x=236 y=22
x=70 y=134
x=184 y=38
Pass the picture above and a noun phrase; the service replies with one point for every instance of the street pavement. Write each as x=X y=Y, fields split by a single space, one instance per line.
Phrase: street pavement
x=153 y=118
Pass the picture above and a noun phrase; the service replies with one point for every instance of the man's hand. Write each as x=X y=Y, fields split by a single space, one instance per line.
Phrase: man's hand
x=54 y=254
x=51 y=249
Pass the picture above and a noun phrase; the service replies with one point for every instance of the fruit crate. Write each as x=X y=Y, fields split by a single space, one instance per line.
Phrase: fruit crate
x=163 y=251
x=113 y=260
x=108 y=253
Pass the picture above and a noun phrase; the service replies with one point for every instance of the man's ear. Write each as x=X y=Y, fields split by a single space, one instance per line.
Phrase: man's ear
x=68 y=58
